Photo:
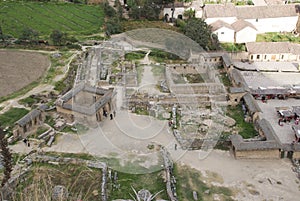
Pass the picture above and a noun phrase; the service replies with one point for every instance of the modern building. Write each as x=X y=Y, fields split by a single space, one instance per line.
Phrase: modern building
x=273 y=51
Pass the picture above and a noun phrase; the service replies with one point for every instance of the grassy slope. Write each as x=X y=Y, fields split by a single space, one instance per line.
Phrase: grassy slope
x=80 y=181
x=45 y=17
x=11 y=116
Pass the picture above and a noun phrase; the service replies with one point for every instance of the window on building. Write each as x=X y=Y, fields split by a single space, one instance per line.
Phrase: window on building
x=251 y=57
x=257 y=56
x=265 y=56
x=282 y=56
x=256 y=20
x=222 y=32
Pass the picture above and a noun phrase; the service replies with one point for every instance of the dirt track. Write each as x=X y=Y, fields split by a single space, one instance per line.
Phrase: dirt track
x=20 y=68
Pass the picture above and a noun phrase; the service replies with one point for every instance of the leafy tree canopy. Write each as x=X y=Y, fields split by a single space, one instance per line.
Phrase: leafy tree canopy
x=199 y=31
x=58 y=37
x=113 y=26
x=29 y=34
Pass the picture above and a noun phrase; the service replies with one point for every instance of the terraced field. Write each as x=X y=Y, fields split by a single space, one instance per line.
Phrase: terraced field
x=44 y=17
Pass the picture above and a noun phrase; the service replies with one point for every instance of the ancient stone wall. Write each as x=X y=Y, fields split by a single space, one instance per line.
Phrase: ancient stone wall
x=257 y=154
x=296 y=154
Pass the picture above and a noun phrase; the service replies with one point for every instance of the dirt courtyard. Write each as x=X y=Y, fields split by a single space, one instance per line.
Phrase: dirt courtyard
x=20 y=68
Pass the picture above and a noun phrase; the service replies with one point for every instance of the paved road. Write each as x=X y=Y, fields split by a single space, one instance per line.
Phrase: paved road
x=285 y=132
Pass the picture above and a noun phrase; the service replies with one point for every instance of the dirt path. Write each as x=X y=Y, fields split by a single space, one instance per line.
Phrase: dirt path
x=254 y=179
x=66 y=67
x=148 y=82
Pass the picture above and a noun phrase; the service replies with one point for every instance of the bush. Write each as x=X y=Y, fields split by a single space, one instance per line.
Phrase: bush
x=135 y=55
x=29 y=101
x=59 y=86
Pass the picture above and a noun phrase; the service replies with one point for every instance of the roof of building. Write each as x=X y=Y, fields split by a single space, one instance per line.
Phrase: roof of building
x=250 y=12
x=291 y=147
x=251 y=103
x=219 y=10
x=272 y=48
x=28 y=117
x=235 y=90
x=267 y=130
x=274 y=91
x=43 y=107
x=241 y=145
x=107 y=94
x=176 y=5
x=274 y=2
x=269 y=11
x=220 y=24
x=271 y=142
x=241 y=24
x=82 y=87
x=270 y=66
x=238 y=78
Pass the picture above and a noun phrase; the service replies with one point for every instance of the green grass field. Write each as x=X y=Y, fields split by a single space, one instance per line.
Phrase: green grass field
x=277 y=37
x=74 y=19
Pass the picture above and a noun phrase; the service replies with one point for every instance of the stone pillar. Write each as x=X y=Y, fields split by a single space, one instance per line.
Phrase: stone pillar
x=106 y=107
x=100 y=114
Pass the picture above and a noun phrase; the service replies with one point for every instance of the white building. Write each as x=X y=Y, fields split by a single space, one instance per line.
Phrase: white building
x=224 y=31
x=238 y=32
x=178 y=11
x=271 y=18
x=273 y=51
x=244 y=32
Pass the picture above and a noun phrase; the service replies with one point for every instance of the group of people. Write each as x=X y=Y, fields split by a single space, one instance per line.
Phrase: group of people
x=26 y=141
x=112 y=115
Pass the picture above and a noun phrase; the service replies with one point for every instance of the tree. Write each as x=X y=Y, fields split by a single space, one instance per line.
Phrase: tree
x=108 y=10
x=113 y=26
x=58 y=37
x=135 y=12
x=119 y=8
x=199 y=31
x=6 y=157
x=190 y=13
x=163 y=2
x=150 y=10
x=30 y=35
x=1 y=34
